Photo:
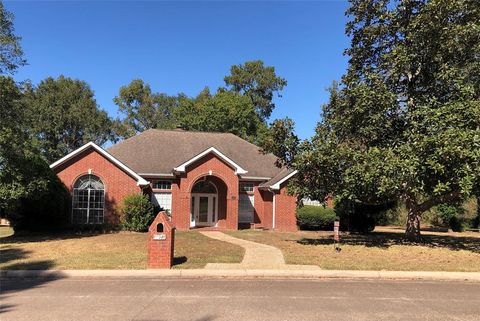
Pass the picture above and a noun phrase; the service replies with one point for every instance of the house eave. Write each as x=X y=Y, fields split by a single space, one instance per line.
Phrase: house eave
x=140 y=180
x=238 y=169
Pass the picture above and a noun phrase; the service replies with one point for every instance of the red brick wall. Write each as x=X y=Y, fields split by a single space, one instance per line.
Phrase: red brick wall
x=266 y=205
x=258 y=205
x=118 y=184
x=285 y=210
x=225 y=180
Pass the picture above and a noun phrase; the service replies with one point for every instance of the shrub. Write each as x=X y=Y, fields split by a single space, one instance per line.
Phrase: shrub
x=46 y=211
x=315 y=218
x=451 y=216
x=359 y=217
x=136 y=213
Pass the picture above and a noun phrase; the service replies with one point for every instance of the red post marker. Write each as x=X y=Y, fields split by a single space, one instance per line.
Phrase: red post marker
x=336 y=236
x=336 y=231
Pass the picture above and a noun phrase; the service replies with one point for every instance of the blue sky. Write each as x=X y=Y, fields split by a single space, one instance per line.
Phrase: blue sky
x=185 y=46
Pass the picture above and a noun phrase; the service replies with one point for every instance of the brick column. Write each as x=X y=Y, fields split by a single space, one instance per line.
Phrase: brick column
x=161 y=238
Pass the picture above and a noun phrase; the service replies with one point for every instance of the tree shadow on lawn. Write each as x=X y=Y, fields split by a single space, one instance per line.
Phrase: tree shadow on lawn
x=16 y=284
x=386 y=239
x=25 y=237
x=9 y=254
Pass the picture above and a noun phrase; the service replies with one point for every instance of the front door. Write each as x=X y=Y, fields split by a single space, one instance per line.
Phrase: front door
x=204 y=209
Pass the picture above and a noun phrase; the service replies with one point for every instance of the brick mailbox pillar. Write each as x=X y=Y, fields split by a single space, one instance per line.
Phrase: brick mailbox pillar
x=161 y=237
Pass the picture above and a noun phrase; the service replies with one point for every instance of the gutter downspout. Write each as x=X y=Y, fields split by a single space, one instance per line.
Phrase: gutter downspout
x=273 y=214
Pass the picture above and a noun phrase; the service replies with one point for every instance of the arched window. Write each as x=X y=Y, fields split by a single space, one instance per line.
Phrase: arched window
x=88 y=200
x=204 y=187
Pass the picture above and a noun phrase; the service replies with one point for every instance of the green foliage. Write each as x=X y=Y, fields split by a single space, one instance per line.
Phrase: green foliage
x=143 y=109
x=315 y=218
x=64 y=116
x=361 y=217
x=452 y=216
x=31 y=195
x=226 y=112
x=11 y=53
x=404 y=123
x=257 y=82
x=242 y=109
x=280 y=139
x=46 y=211
x=23 y=173
x=136 y=213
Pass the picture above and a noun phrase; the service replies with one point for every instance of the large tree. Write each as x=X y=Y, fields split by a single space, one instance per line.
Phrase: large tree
x=11 y=53
x=64 y=115
x=22 y=170
x=225 y=111
x=143 y=109
x=404 y=123
x=258 y=82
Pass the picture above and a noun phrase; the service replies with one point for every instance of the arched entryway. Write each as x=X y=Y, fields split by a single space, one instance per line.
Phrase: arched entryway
x=208 y=202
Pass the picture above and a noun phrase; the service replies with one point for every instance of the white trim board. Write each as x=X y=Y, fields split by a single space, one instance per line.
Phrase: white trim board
x=254 y=178
x=157 y=175
x=140 y=180
x=238 y=170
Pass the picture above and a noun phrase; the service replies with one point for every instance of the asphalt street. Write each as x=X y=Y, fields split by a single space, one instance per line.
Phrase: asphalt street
x=149 y=299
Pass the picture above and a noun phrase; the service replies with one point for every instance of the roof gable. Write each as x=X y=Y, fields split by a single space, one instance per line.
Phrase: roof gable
x=275 y=182
x=238 y=169
x=140 y=180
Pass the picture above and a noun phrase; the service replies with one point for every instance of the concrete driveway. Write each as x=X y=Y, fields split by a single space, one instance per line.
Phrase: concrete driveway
x=222 y=299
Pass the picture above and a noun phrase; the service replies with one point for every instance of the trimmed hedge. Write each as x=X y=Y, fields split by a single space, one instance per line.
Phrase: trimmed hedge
x=315 y=218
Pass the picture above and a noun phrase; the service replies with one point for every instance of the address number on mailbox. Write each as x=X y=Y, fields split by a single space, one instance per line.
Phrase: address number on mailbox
x=160 y=237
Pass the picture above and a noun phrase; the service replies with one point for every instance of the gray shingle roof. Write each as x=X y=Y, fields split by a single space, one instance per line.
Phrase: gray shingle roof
x=159 y=151
x=277 y=178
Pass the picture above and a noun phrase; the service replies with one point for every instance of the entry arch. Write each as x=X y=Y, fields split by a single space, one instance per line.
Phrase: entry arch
x=208 y=198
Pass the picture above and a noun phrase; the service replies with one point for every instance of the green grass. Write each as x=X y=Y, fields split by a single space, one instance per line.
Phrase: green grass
x=122 y=250
x=384 y=249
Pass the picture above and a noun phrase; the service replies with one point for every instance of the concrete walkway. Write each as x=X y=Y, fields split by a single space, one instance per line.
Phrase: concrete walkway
x=257 y=256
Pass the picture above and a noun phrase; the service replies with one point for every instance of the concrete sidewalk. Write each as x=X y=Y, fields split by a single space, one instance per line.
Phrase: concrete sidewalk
x=257 y=256
x=246 y=273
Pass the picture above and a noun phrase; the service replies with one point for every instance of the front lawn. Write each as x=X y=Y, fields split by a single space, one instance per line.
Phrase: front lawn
x=384 y=249
x=123 y=250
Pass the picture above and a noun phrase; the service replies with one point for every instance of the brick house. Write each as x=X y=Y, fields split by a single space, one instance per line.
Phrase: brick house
x=203 y=179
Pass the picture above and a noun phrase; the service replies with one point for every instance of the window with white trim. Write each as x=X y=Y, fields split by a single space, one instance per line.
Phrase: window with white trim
x=163 y=200
x=162 y=185
x=246 y=187
x=246 y=208
x=88 y=200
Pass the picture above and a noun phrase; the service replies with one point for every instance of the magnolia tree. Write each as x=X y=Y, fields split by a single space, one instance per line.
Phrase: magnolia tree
x=404 y=122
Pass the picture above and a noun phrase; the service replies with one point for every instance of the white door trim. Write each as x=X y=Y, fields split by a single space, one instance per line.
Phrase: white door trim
x=212 y=211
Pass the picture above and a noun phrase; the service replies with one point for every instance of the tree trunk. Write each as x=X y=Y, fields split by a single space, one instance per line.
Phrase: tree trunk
x=412 y=230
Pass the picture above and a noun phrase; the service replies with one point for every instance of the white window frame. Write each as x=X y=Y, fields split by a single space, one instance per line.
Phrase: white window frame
x=164 y=183
x=89 y=193
x=247 y=187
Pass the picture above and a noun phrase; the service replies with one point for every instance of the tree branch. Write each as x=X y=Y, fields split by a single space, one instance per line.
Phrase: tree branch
x=436 y=200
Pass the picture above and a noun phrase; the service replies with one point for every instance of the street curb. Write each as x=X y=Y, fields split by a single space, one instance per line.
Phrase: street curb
x=244 y=273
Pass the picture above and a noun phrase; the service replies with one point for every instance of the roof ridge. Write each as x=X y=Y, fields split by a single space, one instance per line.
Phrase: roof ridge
x=187 y=131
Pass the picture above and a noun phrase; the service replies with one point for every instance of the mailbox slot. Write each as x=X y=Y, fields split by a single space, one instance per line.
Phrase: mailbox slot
x=160 y=228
